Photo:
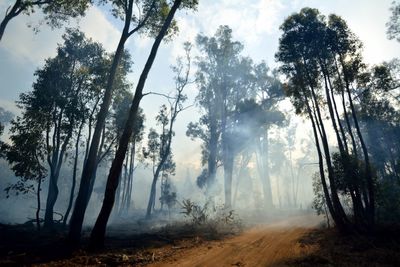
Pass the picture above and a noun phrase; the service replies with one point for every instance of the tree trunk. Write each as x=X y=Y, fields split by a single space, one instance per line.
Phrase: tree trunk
x=14 y=11
x=152 y=196
x=370 y=183
x=91 y=161
x=39 y=188
x=212 y=157
x=98 y=232
x=228 y=172
x=131 y=169
x=50 y=202
x=3 y=25
x=245 y=161
x=340 y=215
x=124 y=184
x=72 y=192
x=332 y=97
x=264 y=175
x=346 y=115
x=321 y=167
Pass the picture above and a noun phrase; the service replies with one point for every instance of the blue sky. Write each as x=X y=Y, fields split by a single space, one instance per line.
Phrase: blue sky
x=254 y=22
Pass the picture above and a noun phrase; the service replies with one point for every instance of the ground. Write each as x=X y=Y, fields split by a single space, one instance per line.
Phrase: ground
x=295 y=241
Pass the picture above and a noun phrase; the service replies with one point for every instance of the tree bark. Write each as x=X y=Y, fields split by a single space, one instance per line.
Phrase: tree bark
x=98 y=232
x=16 y=9
x=91 y=161
x=72 y=192
x=370 y=183
x=321 y=167
x=212 y=157
x=39 y=188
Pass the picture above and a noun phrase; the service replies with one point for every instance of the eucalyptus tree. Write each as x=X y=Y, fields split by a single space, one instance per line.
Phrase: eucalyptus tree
x=347 y=64
x=269 y=93
x=149 y=19
x=89 y=101
x=55 y=103
x=55 y=11
x=322 y=59
x=123 y=201
x=167 y=118
x=98 y=232
x=215 y=79
x=231 y=87
x=379 y=114
x=157 y=153
x=26 y=155
x=300 y=65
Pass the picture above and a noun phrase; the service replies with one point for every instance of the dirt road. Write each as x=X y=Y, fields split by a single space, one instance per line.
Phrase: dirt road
x=263 y=246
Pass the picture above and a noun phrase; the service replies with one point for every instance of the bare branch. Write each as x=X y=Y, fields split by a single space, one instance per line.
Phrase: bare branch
x=159 y=94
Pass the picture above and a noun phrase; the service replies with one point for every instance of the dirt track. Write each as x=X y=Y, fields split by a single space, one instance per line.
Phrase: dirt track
x=269 y=245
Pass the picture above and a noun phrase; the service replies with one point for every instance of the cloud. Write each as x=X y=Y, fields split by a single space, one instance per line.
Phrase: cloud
x=249 y=20
x=25 y=46
x=96 y=26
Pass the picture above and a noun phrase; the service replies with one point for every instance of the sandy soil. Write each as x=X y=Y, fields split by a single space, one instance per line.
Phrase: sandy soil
x=270 y=245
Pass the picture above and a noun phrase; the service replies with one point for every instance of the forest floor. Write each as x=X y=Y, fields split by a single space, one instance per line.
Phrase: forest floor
x=295 y=241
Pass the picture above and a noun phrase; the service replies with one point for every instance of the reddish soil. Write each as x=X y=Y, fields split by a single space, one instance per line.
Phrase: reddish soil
x=293 y=242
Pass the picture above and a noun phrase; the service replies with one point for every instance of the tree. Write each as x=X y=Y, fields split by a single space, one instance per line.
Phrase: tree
x=302 y=70
x=149 y=20
x=56 y=104
x=156 y=151
x=98 y=232
x=228 y=86
x=55 y=11
x=166 y=118
x=322 y=59
x=168 y=193
x=216 y=84
x=393 y=25
x=26 y=155
x=130 y=163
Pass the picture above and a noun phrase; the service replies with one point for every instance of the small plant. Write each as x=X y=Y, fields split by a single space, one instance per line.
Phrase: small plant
x=215 y=218
x=194 y=211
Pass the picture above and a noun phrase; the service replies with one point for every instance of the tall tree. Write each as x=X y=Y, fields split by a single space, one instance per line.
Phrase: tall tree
x=166 y=118
x=55 y=104
x=228 y=86
x=322 y=59
x=215 y=79
x=148 y=20
x=98 y=232
x=26 y=155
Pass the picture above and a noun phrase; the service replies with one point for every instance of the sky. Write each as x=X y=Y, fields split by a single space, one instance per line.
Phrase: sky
x=255 y=23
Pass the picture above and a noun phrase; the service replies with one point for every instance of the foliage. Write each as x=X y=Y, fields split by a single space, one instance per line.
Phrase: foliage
x=212 y=216
x=319 y=201
x=55 y=11
x=393 y=25
x=168 y=196
x=150 y=14
x=26 y=155
x=198 y=214
x=237 y=99
x=388 y=202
